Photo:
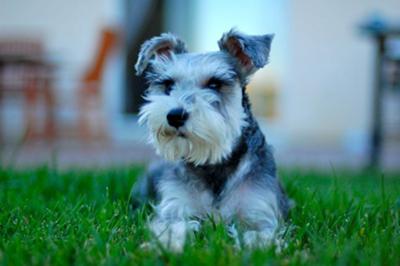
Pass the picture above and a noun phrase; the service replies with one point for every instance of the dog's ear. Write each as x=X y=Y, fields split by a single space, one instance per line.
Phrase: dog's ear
x=250 y=51
x=163 y=45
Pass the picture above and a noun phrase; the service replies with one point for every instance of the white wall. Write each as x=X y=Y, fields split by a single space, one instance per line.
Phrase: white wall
x=212 y=18
x=328 y=88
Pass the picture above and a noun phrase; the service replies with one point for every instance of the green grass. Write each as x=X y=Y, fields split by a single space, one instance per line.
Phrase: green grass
x=50 y=217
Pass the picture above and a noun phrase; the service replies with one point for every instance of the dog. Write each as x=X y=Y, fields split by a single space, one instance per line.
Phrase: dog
x=218 y=162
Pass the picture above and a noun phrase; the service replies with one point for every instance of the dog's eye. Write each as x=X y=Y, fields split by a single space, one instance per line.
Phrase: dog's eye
x=167 y=84
x=214 y=84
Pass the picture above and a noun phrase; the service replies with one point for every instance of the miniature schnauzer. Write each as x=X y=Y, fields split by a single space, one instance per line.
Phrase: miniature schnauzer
x=199 y=119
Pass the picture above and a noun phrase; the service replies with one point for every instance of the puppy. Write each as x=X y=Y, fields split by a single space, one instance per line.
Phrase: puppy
x=217 y=160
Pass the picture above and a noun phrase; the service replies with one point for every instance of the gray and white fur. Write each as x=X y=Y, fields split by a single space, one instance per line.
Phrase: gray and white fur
x=217 y=160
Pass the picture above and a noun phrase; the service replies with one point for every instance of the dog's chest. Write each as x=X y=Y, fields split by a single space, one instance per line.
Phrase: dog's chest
x=215 y=177
x=207 y=204
x=220 y=184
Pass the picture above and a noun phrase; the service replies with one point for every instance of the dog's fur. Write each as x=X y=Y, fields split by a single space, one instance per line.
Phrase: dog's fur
x=219 y=162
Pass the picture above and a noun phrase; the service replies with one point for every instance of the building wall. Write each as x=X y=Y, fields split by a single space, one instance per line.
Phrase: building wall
x=328 y=87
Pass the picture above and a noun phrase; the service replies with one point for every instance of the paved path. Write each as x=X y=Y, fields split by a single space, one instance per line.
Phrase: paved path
x=86 y=155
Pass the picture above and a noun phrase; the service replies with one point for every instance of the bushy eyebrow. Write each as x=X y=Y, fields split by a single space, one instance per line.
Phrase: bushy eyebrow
x=157 y=78
x=228 y=77
x=162 y=80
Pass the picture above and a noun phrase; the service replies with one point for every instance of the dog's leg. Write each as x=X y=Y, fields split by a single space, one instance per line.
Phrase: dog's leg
x=173 y=213
x=261 y=218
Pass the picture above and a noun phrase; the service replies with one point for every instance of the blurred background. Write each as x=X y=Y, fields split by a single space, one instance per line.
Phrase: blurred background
x=330 y=97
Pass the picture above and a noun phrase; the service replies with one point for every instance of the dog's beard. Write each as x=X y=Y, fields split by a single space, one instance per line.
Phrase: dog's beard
x=207 y=137
x=200 y=142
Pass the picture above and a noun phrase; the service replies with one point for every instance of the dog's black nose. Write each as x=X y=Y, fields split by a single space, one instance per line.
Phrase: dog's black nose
x=177 y=117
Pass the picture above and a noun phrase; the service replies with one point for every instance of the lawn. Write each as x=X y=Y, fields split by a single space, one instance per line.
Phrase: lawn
x=51 y=217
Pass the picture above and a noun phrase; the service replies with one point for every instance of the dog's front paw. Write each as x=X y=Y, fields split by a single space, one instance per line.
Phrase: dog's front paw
x=171 y=235
x=257 y=239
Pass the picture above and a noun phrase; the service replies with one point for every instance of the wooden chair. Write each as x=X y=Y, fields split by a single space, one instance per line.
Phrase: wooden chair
x=92 y=124
x=26 y=73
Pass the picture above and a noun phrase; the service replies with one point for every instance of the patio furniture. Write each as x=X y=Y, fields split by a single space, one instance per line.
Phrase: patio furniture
x=27 y=74
x=92 y=123
x=382 y=33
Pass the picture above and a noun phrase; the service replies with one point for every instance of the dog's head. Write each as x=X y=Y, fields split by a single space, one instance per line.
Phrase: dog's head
x=194 y=104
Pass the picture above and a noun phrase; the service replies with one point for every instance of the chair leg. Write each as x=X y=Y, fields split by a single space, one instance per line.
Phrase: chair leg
x=2 y=141
x=91 y=121
x=29 y=109
x=49 y=130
